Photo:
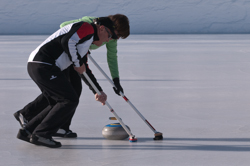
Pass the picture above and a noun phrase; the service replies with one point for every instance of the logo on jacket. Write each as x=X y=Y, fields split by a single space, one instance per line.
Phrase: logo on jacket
x=53 y=77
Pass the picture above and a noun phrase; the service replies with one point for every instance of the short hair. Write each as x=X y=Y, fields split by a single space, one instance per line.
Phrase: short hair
x=121 y=23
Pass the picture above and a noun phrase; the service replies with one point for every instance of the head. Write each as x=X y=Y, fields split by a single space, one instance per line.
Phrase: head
x=105 y=30
x=121 y=24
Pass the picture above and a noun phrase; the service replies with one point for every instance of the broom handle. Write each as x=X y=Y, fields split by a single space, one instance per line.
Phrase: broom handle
x=124 y=97
x=107 y=104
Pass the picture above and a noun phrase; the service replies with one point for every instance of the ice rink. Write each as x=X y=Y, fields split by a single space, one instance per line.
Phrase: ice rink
x=195 y=89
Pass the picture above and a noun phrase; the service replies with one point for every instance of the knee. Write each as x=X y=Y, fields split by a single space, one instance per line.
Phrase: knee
x=73 y=101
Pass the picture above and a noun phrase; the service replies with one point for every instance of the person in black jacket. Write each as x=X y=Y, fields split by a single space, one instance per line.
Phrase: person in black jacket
x=121 y=30
x=67 y=46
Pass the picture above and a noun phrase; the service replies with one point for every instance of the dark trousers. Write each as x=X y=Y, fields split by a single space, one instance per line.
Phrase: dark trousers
x=62 y=99
x=41 y=103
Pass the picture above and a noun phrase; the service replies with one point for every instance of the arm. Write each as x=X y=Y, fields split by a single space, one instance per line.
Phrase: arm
x=113 y=65
x=77 y=42
x=81 y=34
x=112 y=58
x=91 y=76
x=80 y=69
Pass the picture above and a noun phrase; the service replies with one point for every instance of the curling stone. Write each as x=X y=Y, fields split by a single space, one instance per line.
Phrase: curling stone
x=114 y=131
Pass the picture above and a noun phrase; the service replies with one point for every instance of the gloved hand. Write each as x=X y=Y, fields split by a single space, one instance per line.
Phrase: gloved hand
x=117 y=85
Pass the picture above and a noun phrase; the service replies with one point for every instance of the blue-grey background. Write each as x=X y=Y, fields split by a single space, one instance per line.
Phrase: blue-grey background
x=146 y=16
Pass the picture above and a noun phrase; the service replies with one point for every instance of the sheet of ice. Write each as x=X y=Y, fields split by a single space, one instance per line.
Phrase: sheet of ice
x=193 y=88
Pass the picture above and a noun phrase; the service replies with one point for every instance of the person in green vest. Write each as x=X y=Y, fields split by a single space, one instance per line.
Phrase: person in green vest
x=122 y=30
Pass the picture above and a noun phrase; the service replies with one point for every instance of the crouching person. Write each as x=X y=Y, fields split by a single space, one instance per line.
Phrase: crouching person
x=67 y=46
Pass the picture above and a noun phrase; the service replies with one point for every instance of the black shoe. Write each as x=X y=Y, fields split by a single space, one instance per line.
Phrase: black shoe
x=49 y=142
x=65 y=134
x=24 y=135
x=20 y=118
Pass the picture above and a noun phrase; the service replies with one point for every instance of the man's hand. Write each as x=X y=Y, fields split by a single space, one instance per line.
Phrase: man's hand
x=101 y=98
x=80 y=69
x=117 y=85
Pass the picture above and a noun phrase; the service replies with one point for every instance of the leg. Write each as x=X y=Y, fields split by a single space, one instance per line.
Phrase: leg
x=31 y=110
x=76 y=82
x=41 y=102
x=57 y=89
x=34 y=107
x=31 y=125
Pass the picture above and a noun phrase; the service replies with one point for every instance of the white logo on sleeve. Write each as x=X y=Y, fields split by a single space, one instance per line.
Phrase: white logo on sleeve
x=53 y=77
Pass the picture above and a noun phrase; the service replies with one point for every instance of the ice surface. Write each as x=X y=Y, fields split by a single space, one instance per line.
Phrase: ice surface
x=193 y=88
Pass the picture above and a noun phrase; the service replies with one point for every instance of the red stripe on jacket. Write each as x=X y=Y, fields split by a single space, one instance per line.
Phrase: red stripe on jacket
x=85 y=30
